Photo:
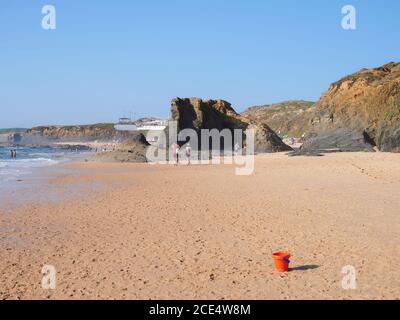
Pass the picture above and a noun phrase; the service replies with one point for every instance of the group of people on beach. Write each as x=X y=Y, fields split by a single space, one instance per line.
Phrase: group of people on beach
x=13 y=154
x=176 y=149
x=105 y=147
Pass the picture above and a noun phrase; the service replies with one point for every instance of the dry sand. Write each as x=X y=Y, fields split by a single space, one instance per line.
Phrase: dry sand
x=201 y=232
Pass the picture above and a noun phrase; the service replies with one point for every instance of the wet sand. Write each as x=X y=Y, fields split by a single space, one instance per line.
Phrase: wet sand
x=138 y=231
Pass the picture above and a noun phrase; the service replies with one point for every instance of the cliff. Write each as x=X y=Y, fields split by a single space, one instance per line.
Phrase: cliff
x=74 y=133
x=366 y=103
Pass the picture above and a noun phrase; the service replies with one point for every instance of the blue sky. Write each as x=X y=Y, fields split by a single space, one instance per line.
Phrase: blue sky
x=107 y=58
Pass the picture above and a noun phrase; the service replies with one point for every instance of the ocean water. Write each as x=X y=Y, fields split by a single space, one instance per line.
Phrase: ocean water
x=29 y=160
x=24 y=180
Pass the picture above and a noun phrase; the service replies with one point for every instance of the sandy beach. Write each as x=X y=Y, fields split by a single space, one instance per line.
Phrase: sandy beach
x=139 y=231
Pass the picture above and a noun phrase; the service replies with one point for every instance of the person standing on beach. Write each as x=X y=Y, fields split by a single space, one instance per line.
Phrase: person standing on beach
x=178 y=148
x=236 y=148
x=15 y=154
x=175 y=149
x=188 y=152
x=12 y=154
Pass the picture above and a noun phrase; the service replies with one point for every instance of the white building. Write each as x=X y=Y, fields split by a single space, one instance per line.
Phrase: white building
x=125 y=127
x=125 y=124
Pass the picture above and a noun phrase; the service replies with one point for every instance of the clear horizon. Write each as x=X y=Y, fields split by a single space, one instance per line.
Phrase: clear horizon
x=105 y=60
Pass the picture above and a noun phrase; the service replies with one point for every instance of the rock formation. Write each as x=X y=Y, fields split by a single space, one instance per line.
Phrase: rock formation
x=198 y=114
x=132 y=149
x=363 y=107
x=344 y=139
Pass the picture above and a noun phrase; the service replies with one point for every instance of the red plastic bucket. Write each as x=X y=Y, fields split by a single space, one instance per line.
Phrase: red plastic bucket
x=281 y=260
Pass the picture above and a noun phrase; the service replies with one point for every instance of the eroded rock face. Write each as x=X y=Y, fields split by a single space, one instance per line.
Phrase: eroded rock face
x=197 y=114
x=368 y=103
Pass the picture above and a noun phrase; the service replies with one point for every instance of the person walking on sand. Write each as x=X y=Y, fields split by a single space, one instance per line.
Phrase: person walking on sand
x=188 y=152
x=175 y=150
x=236 y=149
x=178 y=148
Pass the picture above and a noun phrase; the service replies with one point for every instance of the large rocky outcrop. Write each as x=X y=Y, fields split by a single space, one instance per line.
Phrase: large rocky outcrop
x=197 y=114
x=363 y=107
x=132 y=149
x=289 y=118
